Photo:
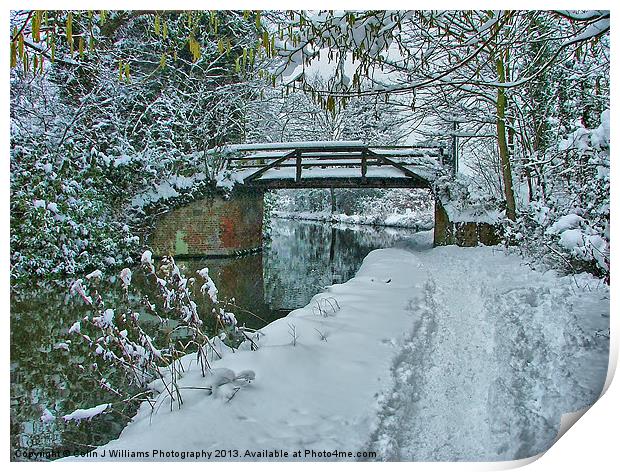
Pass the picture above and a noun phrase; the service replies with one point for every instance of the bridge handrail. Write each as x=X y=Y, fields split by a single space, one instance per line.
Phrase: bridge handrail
x=324 y=154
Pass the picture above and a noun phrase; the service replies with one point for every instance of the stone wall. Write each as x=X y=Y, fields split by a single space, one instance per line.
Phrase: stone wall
x=212 y=226
x=462 y=233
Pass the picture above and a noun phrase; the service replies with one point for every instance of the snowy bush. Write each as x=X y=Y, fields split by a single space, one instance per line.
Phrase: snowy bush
x=114 y=339
x=466 y=201
x=568 y=225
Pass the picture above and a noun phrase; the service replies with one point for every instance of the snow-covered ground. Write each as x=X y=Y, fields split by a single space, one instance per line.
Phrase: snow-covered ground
x=427 y=354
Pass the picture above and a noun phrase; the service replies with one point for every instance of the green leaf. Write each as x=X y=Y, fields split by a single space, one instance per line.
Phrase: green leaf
x=257 y=18
x=69 y=31
x=13 y=54
x=36 y=25
x=21 y=46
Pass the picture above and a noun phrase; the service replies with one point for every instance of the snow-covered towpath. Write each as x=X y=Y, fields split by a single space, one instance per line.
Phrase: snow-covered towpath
x=427 y=354
x=497 y=354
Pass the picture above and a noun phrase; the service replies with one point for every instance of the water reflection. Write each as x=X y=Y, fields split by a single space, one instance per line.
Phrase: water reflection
x=298 y=260
x=304 y=256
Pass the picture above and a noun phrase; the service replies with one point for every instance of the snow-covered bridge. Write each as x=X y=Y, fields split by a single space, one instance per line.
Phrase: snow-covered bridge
x=333 y=164
x=221 y=225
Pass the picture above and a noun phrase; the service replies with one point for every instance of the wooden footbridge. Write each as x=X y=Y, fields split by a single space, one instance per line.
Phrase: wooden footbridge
x=227 y=223
x=333 y=164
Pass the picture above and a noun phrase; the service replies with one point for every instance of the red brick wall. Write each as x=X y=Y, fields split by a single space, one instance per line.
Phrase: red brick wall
x=211 y=226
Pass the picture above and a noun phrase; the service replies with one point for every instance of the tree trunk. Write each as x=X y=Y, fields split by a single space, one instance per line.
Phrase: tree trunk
x=502 y=143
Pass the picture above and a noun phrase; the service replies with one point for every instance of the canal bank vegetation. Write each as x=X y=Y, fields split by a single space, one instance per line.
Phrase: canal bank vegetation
x=134 y=362
x=378 y=207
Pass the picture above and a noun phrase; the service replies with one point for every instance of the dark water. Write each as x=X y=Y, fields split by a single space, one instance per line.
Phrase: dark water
x=298 y=260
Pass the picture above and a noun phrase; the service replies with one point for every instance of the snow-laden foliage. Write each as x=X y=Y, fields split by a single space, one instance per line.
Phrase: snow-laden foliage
x=465 y=200
x=62 y=220
x=569 y=222
x=114 y=340
x=93 y=151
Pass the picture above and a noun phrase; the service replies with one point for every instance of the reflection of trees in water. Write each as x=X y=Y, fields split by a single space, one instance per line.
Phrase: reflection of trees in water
x=44 y=377
x=296 y=263
x=304 y=256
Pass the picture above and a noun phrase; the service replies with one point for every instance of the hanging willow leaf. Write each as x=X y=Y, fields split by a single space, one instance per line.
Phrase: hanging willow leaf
x=102 y=17
x=21 y=46
x=162 y=61
x=127 y=72
x=157 y=29
x=81 y=47
x=36 y=26
x=331 y=104
x=194 y=47
x=13 y=53
x=265 y=40
x=69 y=31
x=258 y=23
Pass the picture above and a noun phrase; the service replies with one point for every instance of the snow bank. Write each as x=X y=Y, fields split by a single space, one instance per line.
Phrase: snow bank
x=432 y=354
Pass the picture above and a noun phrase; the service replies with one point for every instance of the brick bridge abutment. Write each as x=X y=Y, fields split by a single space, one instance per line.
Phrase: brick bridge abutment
x=215 y=225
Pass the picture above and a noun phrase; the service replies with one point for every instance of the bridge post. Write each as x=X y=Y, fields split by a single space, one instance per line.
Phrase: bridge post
x=298 y=167
x=443 y=232
x=364 y=165
x=455 y=148
x=462 y=233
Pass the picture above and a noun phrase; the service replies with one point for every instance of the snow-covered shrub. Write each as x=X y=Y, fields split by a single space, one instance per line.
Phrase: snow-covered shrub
x=466 y=201
x=62 y=222
x=85 y=144
x=569 y=223
x=150 y=356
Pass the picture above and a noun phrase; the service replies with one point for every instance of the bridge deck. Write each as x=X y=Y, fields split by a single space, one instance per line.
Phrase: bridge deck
x=348 y=164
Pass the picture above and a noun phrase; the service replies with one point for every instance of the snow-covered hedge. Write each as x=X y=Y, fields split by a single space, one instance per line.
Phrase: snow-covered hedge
x=570 y=222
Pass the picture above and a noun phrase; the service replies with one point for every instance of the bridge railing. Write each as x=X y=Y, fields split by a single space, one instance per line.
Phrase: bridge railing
x=291 y=159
